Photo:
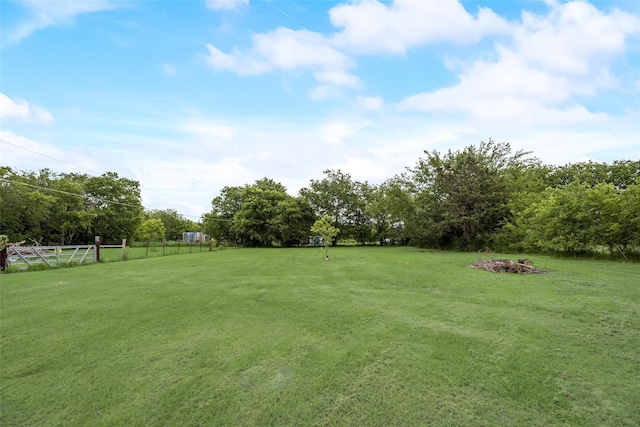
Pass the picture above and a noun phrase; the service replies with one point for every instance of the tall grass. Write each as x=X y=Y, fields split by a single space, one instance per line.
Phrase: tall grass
x=373 y=337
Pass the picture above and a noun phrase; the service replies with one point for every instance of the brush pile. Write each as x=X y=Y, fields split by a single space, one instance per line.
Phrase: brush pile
x=504 y=265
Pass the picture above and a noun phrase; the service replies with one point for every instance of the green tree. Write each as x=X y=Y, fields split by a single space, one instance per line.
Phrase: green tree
x=117 y=206
x=621 y=174
x=218 y=223
x=525 y=185
x=292 y=221
x=71 y=218
x=324 y=228
x=389 y=207
x=629 y=217
x=338 y=197
x=174 y=223
x=151 y=230
x=248 y=215
x=462 y=196
x=579 y=218
x=253 y=222
x=25 y=208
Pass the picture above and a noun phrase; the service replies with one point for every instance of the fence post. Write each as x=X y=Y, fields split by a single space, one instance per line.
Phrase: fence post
x=164 y=246
x=96 y=251
x=124 y=249
x=58 y=254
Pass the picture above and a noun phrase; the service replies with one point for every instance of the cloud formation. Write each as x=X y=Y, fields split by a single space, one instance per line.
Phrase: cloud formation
x=281 y=49
x=19 y=109
x=225 y=4
x=375 y=27
x=43 y=14
x=550 y=62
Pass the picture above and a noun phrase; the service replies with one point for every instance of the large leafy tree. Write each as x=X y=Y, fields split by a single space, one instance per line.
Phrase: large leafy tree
x=292 y=221
x=68 y=208
x=261 y=214
x=252 y=224
x=71 y=217
x=340 y=198
x=390 y=205
x=462 y=196
x=117 y=205
x=25 y=209
x=580 y=218
x=218 y=223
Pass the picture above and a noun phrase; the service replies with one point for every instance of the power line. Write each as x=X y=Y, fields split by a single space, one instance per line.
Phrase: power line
x=81 y=195
x=60 y=160
x=85 y=196
x=50 y=157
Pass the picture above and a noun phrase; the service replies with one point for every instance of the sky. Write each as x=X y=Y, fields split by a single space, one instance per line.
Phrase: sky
x=189 y=96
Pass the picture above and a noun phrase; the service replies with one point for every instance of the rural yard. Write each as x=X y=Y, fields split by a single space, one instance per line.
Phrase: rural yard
x=373 y=337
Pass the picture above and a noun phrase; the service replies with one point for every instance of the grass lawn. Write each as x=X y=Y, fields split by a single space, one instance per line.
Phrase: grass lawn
x=373 y=337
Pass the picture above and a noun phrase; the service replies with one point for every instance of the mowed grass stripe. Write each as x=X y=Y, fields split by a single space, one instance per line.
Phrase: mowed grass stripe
x=374 y=336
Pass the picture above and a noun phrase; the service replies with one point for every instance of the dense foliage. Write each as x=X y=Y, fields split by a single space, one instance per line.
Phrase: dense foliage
x=261 y=214
x=48 y=207
x=483 y=196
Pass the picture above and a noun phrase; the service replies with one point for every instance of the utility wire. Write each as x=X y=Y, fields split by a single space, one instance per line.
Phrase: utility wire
x=60 y=160
x=46 y=155
x=81 y=195
x=84 y=196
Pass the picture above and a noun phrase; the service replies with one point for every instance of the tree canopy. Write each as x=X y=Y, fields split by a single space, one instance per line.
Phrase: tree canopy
x=63 y=208
x=481 y=196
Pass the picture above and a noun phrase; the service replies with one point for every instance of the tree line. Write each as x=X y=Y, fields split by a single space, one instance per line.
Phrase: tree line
x=482 y=196
x=68 y=208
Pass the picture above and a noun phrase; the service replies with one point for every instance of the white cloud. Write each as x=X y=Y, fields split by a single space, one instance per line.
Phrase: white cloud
x=287 y=50
x=371 y=103
x=553 y=60
x=374 y=27
x=336 y=132
x=225 y=4
x=337 y=77
x=322 y=92
x=209 y=133
x=282 y=49
x=20 y=109
x=44 y=14
x=574 y=37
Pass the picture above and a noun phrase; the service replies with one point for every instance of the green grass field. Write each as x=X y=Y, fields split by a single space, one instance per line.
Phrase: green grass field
x=373 y=337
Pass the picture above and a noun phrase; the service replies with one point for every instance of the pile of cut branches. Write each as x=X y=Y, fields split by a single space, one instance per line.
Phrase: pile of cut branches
x=507 y=266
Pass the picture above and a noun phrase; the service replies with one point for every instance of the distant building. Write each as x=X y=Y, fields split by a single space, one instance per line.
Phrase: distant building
x=315 y=240
x=194 y=237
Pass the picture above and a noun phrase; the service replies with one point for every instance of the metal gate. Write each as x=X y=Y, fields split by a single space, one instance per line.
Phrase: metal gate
x=24 y=257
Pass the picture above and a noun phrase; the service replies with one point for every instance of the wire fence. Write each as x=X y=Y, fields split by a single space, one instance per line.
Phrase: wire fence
x=30 y=258
x=152 y=250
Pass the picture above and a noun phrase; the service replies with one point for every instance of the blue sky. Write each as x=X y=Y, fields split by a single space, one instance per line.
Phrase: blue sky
x=189 y=96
